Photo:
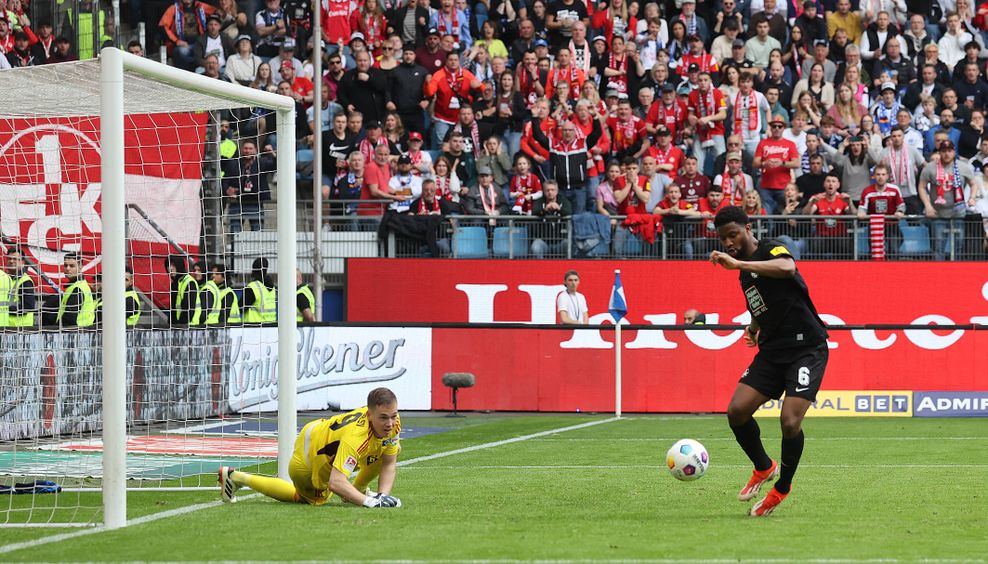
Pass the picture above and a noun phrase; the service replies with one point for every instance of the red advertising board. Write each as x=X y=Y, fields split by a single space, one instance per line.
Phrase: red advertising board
x=670 y=371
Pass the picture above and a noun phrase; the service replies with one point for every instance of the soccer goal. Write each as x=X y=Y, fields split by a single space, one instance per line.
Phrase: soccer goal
x=142 y=342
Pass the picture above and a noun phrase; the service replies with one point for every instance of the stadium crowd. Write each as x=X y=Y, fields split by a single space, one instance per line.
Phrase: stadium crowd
x=654 y=115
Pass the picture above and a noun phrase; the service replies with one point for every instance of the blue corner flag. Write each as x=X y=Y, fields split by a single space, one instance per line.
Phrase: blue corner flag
x=618 y=306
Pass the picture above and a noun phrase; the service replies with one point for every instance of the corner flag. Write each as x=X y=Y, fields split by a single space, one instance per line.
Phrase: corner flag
x=618 y=306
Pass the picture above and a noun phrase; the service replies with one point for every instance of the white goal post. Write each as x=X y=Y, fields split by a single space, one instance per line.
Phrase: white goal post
x=114 y=66
x=118 y=88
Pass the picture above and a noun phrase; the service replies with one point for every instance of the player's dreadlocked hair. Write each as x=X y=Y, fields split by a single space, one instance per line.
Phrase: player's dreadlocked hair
x=731 y=214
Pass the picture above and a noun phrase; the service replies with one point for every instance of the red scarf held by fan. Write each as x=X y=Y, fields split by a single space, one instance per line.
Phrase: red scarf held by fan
x=942 y=179
x=441 y=20
x=427 y=208
x=754 y=120
x=573 y=79
x=734 y=195
x=622 y=79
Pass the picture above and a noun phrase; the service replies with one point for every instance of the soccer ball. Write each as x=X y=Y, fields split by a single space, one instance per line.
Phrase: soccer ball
x=687 y=460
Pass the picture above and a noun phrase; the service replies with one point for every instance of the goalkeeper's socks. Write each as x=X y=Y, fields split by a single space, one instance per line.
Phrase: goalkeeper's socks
x=749 y=436
x=275 y=488
x=792 y=451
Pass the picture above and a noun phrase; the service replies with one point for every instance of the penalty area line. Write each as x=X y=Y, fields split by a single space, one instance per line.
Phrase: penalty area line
x=4 y=549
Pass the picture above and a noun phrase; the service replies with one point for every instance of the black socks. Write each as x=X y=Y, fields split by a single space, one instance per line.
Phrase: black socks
x=792 y=450
x=749 y=436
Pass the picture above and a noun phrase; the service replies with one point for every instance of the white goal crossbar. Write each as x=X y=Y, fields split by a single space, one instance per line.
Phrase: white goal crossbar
x=116 y=70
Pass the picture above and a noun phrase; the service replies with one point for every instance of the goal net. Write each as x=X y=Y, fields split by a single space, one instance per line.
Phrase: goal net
x=140 y=326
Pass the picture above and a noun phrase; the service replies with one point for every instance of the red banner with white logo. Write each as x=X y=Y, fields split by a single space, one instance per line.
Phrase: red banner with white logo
x=669 y=370
x=50 y=188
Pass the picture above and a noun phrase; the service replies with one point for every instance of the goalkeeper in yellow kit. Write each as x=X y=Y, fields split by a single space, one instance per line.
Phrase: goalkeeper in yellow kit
x=328 y=452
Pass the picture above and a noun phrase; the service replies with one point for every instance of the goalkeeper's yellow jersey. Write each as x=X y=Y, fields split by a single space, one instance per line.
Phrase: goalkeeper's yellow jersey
x=344 y=442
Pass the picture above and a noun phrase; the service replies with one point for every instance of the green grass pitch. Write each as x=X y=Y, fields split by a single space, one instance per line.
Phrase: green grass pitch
x=867 y=490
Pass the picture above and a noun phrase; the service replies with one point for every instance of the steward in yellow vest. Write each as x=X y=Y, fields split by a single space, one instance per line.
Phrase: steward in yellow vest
x=218 y=304
x=305 y=301
x=260 y=295
x=76 y=308
x=184 y=290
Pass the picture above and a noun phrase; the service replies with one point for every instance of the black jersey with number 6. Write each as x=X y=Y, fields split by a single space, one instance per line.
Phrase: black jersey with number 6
x=782 y=306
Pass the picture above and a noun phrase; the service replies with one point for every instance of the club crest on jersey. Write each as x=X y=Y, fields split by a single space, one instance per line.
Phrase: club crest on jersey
x=390 y=442
x=350 y=464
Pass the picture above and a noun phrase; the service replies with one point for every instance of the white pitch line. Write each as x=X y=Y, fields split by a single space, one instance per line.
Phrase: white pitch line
x=662 y=466
x=506 y=441
x=200 y=506
x=732 y=439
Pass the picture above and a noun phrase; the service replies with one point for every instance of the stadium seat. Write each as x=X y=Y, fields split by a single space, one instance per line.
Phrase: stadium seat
x=303 y=162
x=915 y=240
x=510 y=242
x=470 y=242
x=633 y=246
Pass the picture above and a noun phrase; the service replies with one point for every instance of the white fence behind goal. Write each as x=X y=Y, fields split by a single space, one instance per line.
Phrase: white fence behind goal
x=116 y=165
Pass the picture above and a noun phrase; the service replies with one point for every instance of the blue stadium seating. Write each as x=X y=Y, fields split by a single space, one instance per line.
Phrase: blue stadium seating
x=510 y=242
x=303 y=157
x=915 y=240
x=470 y=242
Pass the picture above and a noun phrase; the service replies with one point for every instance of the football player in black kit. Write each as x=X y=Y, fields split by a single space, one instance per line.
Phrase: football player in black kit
x=792 y=352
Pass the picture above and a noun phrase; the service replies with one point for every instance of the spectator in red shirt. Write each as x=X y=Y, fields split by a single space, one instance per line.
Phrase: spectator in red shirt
x=377 y=175
x=708 y=110
x=693 y=185
x=666 y=111
x=675 y=213
x=302 y=88
x=668 y=157
x=565 y=70
x=452 y=88
x=335 y=15
x=881 y=198
x=831 y=238
x=628 y=135
x=776 y=157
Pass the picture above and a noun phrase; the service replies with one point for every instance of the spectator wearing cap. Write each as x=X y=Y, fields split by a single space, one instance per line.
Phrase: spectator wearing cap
x=885 y=109
x=733 y=181
x=759 y=47
x=698 y=57
x=179 y=35
x=561 y=16
x=46 y=43
x=449 y=20
x=421 y=160
x=21 y=54
x=406 y=83
x=363 y=89
x=302 y=88
x=241 y=67
x=821 y=52
x=452 y=88
x=895 y=63
x=739 y=57
x=431 y=56
x=812 y=23
x=406 y=184
x=62 y=53
x=485 y=198
x=722 y=48
x=777 y=158
x=668 y=158
x=213 y=42
x=411 y=22
x=942 y=186
x=374 y=137
x=694 y=24
x=286 y=54
x=271 y=28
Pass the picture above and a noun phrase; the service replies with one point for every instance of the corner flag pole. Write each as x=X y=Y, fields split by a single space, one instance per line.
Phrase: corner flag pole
x=618 y=308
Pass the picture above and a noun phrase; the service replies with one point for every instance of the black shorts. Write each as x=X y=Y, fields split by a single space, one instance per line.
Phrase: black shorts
x=797 y=372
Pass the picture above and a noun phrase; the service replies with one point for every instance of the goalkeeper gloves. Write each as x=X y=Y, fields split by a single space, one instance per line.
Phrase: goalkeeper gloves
x=381 y=500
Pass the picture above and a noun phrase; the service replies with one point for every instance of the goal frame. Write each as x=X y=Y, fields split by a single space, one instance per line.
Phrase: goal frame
x=113 y=65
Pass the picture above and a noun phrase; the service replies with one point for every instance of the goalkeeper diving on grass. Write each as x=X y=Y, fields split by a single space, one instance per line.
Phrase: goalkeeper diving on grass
x=328 y=452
